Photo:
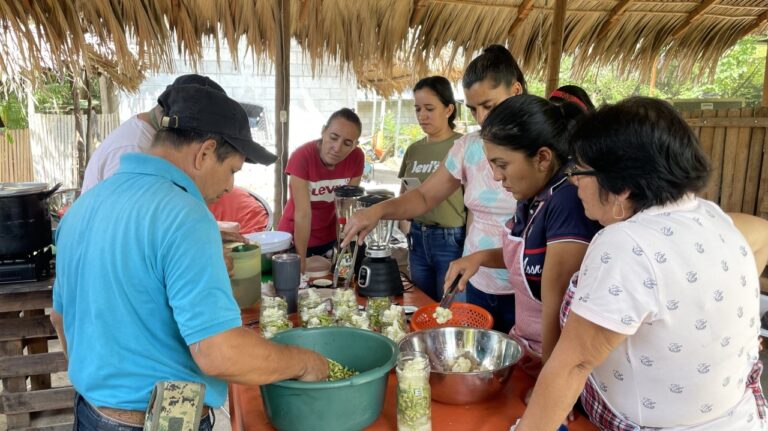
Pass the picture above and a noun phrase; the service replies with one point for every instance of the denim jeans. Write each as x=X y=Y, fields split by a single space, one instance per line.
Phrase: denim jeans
x=501 y=307
x=431 y=250
x=87 y=418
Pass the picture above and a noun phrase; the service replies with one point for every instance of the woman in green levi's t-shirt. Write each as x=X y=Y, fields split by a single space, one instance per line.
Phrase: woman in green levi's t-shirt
x=437 y=237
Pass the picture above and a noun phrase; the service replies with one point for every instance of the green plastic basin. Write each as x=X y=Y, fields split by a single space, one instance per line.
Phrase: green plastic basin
x=344 y=405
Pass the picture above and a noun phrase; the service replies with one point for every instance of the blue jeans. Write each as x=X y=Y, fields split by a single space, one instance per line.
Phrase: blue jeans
x=501 y=307
x=431 y=250
x=87 y=418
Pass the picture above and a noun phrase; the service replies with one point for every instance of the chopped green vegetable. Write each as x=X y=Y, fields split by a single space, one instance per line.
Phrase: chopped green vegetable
x=336 y=371
x=374 y=308
x=414 y=401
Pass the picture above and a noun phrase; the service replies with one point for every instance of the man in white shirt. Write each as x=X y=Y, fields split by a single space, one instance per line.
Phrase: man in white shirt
x=133 y=136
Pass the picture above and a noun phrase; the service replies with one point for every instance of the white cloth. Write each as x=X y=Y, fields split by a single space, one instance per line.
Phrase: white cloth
x=133 y=136
x=681 y=282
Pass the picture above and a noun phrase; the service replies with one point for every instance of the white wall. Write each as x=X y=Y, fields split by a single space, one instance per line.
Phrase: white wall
x=313 y=99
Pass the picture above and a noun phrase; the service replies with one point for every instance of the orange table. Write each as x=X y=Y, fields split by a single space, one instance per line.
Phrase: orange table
x=247 y=410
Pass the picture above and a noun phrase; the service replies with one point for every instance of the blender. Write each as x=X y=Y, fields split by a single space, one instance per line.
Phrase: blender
x=379 y=274
x=346 y=201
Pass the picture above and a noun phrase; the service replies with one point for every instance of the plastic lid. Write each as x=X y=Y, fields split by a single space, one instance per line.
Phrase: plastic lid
x=349 y=191
x=370 y=200
x=13 y=189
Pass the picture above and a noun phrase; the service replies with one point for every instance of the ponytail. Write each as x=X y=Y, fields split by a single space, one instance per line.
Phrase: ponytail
x=528 y=123
x=496 y=64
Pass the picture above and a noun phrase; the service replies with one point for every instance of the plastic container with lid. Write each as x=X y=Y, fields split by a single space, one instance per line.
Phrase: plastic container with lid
x=246 y=282
x=271 y=242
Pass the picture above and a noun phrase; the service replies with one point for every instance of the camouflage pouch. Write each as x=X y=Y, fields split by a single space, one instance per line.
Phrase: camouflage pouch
x=175 y=406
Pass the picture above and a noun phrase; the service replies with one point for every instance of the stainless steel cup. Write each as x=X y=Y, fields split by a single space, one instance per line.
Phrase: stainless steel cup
x=286 y=276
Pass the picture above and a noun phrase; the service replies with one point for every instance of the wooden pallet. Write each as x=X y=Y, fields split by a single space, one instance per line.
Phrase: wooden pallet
x=28 y=400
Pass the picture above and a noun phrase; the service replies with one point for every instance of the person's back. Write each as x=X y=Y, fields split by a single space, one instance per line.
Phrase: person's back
x=240 y=206
x=694 y=272
x=132 y=136
x=142 y=224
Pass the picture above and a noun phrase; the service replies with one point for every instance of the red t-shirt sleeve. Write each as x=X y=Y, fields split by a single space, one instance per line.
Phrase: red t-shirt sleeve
x=299 y=161
x=358 y=162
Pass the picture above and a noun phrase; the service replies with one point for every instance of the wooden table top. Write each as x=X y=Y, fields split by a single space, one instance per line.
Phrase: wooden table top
x=499 y=413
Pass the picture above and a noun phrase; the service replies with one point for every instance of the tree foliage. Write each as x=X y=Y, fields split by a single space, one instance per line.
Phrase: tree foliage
x=739 y=75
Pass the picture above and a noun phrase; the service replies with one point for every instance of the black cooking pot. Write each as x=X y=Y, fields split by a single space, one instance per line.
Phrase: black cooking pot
x=25 y=220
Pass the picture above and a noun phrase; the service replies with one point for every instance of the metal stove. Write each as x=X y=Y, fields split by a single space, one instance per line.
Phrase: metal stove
x=29 y=267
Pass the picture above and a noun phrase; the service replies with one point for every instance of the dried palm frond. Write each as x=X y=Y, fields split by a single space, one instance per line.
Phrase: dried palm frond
x=392 y=42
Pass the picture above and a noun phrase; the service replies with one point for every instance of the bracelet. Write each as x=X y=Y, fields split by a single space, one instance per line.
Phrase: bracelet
x=514 y=427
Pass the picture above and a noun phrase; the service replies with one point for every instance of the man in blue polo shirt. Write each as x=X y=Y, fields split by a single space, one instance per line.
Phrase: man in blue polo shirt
x=142 y=293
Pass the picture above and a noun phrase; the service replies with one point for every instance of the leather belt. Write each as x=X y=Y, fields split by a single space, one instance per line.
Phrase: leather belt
x=133 y=417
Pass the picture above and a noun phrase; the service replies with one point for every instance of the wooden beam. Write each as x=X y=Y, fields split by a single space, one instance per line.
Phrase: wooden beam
x=763 y=17
x=555 y=45
x=36 y=401
x=691 y=18
x=32 y=365
x=33 y=327
x=765 y=80
x=613 y=18
x=522 y=13
x=417 y=14
x=745 y=122
x=282 y=102
x=26 y=301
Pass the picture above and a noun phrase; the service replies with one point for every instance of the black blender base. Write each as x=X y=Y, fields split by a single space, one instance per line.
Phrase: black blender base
x=379 y=276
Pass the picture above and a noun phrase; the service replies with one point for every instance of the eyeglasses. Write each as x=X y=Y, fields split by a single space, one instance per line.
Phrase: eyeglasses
x=573 y=174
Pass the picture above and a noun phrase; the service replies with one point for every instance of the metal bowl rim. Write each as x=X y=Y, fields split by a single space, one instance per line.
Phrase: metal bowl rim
x=469 y=373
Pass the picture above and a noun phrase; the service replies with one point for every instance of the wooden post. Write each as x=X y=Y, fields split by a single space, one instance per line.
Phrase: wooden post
x=373 y=115
x=555 y=46
x=282 y=102
x=108 y=94
x=397 y=121
x=652 y=85
x=765 y=77
x=80 y=143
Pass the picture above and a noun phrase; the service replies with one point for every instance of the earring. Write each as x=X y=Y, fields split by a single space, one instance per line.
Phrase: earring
x=621 y=207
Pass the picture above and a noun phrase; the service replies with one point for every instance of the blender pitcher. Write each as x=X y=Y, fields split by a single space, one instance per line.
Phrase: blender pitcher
x=345 y=198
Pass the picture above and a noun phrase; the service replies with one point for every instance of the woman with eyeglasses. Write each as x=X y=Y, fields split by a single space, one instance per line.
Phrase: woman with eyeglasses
x=661 y=326
x=544 y=242
x=490 y=78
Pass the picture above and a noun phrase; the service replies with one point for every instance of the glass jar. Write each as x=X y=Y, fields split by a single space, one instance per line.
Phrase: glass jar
x=273 y=316
x=344 y=298
x=374 y=308
x=393 y=323
x=414 y=399
x=348 y=318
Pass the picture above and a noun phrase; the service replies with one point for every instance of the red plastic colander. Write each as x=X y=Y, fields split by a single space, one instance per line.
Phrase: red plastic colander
x=463 y=315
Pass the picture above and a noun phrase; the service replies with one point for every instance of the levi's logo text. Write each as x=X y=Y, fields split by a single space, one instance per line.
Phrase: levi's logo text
x=322 y=191
x=425 y=168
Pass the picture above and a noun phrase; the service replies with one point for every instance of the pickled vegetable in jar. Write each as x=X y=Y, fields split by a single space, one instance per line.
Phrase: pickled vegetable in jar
x=374 y=307
x=414 y=399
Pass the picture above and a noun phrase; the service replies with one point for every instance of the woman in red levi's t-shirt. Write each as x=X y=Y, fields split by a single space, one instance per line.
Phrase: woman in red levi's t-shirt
x=316 y=169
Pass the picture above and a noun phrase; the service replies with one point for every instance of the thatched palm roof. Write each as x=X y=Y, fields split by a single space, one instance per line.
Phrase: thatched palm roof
x=389 y=43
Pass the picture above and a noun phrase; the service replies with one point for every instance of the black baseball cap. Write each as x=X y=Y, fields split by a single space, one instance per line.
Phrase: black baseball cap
x=195 y=79
x=206 y=110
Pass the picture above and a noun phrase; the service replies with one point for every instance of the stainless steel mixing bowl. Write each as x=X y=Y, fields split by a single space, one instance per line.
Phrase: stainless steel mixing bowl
x=493 y=350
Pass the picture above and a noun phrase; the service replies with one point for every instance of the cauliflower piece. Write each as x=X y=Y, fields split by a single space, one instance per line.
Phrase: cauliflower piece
x=392 y=315
x=360 y=320
x=442 y=315
x=394 y=332
x=462 y=365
